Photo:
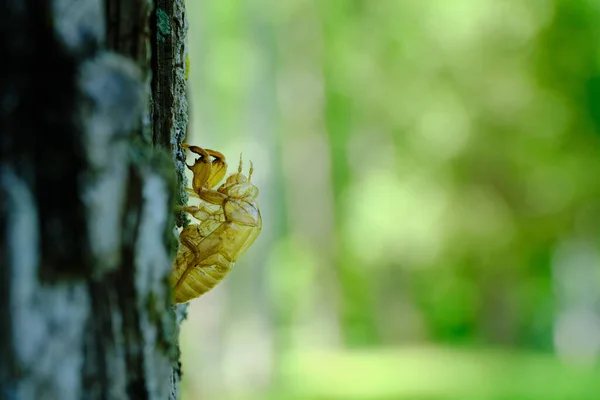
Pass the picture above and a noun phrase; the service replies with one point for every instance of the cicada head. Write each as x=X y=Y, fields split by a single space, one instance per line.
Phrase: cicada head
x=239 y=186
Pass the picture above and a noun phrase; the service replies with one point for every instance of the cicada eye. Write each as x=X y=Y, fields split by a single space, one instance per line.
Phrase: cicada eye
x=253 y=191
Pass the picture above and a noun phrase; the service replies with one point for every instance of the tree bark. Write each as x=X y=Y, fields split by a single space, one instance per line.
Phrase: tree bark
x=92 y=114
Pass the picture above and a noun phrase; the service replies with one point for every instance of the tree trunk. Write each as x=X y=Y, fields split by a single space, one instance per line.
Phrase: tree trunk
x=92 y=115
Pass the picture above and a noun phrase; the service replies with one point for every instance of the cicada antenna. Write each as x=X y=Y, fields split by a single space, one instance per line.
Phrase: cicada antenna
x=240 y=166
x=251 y=171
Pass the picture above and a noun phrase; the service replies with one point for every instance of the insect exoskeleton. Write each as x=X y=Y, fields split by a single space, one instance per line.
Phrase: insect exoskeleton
x=229 y=222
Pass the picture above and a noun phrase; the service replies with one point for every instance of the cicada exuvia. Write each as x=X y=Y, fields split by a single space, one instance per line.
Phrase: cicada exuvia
x=229 y=222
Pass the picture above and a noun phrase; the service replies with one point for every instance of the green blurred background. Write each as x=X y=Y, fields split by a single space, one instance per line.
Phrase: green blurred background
x=430 y=195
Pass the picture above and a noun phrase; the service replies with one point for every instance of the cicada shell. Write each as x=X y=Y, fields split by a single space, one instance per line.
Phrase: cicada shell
x=229 y=222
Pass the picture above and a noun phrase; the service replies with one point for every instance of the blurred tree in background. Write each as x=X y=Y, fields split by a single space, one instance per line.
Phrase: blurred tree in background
x=428 y=175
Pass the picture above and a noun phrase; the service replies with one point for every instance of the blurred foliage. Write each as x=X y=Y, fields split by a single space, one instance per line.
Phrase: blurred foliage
x=428 y=175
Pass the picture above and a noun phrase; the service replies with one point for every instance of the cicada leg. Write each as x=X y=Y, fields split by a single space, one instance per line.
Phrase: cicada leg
x=192 y=192
x=218 y=168
x=205 y=211
x=201 y=169
x=207 y=173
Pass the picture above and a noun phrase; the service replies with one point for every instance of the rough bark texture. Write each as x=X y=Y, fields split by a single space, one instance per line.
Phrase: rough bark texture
x=169 y=86
x=87 y=188
x=169 y=111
